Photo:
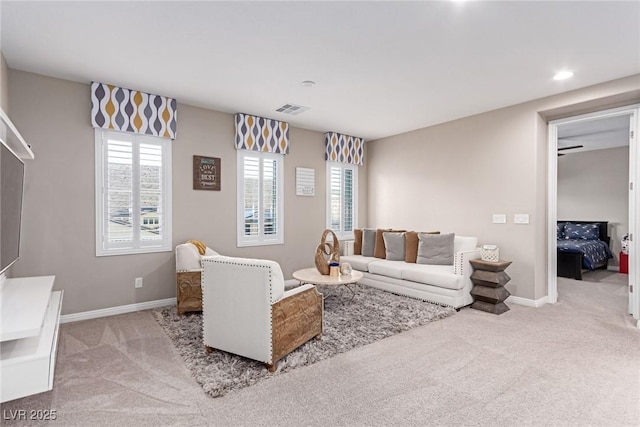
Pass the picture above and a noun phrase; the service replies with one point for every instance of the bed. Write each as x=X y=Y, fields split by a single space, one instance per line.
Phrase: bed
x=582 y=244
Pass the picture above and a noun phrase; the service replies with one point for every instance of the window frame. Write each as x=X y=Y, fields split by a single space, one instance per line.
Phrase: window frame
x=261 y=239
x=103 y=246
x=341 y=234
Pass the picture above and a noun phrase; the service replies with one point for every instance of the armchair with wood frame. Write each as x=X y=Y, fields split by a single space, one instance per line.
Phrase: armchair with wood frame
x=246 y=310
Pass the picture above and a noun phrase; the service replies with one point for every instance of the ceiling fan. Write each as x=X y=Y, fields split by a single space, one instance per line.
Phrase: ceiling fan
x=569 y=148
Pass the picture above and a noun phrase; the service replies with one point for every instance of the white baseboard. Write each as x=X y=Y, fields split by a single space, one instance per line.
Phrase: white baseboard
x=613 y=267
x=112 y=311
x=528 y=302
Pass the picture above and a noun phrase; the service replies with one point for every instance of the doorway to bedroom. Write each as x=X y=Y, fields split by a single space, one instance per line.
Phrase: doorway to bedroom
x=594 y=211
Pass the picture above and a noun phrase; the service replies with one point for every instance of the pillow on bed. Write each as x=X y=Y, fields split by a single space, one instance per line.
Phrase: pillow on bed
x=581 y=231
x=560 y=230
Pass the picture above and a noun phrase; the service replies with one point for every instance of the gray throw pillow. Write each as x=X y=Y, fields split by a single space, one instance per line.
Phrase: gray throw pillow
x=435 y=249
x=368 y=241
x=394 y=244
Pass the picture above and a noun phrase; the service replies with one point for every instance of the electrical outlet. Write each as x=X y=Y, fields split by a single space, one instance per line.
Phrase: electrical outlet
x=521 y=218
x=138 y=282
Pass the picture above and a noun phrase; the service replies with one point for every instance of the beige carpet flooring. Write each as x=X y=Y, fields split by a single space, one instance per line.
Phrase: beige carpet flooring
x=605 y=276
x=575 y=363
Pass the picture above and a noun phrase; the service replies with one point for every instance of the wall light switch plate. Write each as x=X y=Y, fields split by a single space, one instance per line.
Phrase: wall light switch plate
x=521 y=218
x=499 y=218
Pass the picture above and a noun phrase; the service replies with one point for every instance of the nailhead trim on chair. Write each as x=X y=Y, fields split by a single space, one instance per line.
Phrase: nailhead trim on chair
x=270 y=318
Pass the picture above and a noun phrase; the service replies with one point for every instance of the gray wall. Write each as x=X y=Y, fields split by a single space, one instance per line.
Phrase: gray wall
x=4 y=84
x=593 y=186
x=452 y=177
x=59 y=226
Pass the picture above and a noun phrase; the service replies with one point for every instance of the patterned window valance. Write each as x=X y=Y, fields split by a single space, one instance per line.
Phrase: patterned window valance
x=128 y=110
x=259 y=134
x=343 y=148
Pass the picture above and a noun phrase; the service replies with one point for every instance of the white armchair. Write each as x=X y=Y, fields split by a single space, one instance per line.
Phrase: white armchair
x=247 y=312
x=189 y=276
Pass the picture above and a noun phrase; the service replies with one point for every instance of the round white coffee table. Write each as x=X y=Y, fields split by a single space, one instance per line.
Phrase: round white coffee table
x=313 y=276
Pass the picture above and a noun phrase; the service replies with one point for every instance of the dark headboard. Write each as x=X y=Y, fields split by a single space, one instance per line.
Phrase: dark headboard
x=603 y=228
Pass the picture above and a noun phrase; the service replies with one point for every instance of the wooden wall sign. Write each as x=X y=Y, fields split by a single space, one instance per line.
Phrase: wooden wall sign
x=206 y=173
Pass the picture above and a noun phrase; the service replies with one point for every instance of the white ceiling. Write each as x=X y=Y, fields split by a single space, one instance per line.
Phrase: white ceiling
x=381 y=68
x=597 y=134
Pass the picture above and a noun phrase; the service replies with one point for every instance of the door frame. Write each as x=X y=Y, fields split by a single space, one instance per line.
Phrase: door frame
x=552 y=199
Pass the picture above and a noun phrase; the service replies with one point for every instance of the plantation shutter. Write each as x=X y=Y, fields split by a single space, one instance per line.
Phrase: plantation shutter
x=341 y=202
x=270 y=196
x=261 y=201
x=133 y=192
x=251 y=196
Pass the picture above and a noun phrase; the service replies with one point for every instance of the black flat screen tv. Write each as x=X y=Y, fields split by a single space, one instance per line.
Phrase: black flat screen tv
x=11 y=190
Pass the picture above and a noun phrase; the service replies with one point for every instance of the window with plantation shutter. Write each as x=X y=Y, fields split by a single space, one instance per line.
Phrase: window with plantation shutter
x=133 y=193
x=260 y=201
x=342 y=184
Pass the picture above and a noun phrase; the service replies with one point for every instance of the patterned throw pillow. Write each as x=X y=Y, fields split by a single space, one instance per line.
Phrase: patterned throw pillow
x=581 y=231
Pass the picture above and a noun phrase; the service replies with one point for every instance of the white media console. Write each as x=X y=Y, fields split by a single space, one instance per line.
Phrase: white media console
x=29 y=319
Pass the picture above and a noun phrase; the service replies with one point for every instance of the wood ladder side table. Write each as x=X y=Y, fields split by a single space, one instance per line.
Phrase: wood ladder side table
x=488 y=289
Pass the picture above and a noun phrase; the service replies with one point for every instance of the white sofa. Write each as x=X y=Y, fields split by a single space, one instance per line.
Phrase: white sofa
x=246 y=310
x=443 y=284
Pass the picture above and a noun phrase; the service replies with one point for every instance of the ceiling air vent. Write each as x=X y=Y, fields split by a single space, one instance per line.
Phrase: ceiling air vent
x=292 y=109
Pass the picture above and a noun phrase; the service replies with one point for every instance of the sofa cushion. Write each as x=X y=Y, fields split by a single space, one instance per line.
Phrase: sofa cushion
x=394 y=245
x=358 y=262
x=357 y=242
x=188 y=256
x=435 y=249
x=411 y=245
x=436 y=275
x=461 y=244
x=210 y=252
x=387 y=268
x=368 y=241
x=380 y=251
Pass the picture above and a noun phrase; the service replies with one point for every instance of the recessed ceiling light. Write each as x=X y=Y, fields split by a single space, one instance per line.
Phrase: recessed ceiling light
x=308 y=83
x=562 y=75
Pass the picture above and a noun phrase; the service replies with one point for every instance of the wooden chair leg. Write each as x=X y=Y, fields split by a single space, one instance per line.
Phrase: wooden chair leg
x=318 y=337
x=271 y=366
x=209 y=349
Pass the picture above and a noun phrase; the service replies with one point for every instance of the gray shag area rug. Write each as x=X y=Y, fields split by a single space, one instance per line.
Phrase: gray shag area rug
x=371 y=316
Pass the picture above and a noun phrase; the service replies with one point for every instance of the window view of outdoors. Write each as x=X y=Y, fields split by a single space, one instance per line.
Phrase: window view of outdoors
x=253 y=201
x=123 y=197
x=341 y=199
x=336 y=198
